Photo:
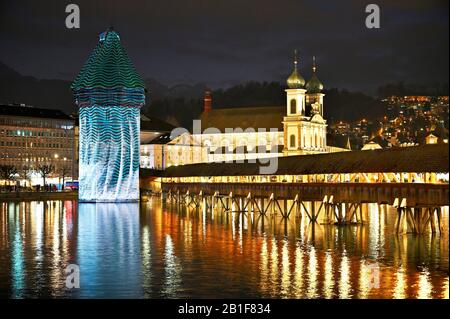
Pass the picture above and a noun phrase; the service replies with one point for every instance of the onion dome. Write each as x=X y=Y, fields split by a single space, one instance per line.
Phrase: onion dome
x=295 y=80
x=314 y=85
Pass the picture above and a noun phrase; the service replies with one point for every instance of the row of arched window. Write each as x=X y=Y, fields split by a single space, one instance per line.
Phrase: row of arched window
x=315 y=142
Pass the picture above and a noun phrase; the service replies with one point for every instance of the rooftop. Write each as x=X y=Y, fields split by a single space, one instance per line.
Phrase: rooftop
x=30 y=111
x=244 y=117
x=150 y=123
x=425 y=158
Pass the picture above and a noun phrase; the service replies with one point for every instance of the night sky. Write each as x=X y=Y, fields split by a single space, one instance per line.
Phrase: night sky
x=222 y=43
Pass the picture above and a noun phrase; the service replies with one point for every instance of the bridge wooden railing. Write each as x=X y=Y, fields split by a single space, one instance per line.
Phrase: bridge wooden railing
x=415 y=194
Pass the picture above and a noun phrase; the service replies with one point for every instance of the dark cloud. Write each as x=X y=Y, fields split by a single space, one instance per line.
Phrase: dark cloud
x=229 y=41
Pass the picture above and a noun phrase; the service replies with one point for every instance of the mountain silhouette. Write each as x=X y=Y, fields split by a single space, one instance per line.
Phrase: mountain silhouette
x=52 y=94
x=56 y=94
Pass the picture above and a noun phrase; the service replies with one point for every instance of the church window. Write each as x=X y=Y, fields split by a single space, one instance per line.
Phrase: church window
x=292 y=141
x=293 y=106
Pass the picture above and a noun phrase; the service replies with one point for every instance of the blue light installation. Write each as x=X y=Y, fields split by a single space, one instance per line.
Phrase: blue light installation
x=109 y=94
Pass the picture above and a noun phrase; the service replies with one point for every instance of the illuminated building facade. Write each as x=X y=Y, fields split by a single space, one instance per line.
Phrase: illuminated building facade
x=109 y=94
x=31 y=137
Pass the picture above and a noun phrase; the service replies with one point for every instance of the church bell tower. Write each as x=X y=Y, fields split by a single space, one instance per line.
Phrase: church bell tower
x=295 y=111
x=304 y=128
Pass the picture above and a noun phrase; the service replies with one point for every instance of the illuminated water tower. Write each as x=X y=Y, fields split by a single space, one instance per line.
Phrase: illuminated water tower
x=109 y=94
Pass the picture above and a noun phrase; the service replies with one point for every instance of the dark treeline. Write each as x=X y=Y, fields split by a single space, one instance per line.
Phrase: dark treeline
x=339 y=104
x=250 y=94
x=177 y=111
x=343 y=105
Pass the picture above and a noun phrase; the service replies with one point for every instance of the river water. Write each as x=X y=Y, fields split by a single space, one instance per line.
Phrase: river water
x=158 y=250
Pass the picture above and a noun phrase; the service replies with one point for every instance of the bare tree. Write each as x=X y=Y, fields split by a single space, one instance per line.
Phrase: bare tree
x=64 y=171
x=44 y=170
x=7 y=172
x=25 y=173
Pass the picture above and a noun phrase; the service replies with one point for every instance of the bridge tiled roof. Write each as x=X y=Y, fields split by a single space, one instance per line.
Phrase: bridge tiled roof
x=425 y=158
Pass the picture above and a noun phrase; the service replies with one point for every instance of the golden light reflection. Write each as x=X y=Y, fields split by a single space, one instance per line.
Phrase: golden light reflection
x=298 y=273
x=445 y=292
x=424 y=285
x=172 y=269
x=285 y=271
x=204 y=220
x=374 y=229
x=400 y=284
x=312 y=273
x=344 y=280
x=56 y=274
x=328 y=276
x=264 y=264
x=274 y=266
x=64 y=226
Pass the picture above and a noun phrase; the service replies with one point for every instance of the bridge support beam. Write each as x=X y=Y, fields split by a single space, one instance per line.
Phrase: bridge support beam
x=417 y=219
x=412 y=218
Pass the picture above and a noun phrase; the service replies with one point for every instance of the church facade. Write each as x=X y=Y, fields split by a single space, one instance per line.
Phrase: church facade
x=249 y=133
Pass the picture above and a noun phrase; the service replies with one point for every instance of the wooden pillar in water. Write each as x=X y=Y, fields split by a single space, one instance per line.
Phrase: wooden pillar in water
x=432 y=219
x=313 y=211
x=361 y=213
x=340 y=213
x=285 y=207
x=398 y=223
x=439 y=219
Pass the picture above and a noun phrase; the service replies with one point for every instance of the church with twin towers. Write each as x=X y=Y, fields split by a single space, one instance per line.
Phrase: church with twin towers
x=248 y=133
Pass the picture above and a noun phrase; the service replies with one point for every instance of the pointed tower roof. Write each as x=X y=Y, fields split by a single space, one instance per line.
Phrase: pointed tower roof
x=295 y=80
x=348 y=145
x=108 y=66
x=314 y=85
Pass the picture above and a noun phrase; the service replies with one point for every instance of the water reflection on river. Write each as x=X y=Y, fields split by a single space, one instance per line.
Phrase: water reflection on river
x=156 y=250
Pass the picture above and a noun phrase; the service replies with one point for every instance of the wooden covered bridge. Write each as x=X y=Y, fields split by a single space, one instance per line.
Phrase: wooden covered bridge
x=413 y=179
